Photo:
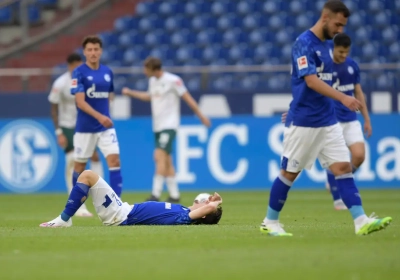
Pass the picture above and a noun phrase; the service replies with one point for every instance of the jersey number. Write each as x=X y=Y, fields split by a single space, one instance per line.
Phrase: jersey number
x=114 y=138
x=164 y=138
x=109 y=201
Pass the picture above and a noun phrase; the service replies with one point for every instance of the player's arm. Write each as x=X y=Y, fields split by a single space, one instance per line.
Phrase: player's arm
x=54 y=99
x=359 y=95
x=304 y=59
x=141 y=95
x=187 y=97
x=209 y=208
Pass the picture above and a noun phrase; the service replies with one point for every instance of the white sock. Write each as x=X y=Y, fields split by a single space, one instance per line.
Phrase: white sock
x=172 y=187
x=360 y=221
x=97 y=167
x=158 y=185
x=69 y=169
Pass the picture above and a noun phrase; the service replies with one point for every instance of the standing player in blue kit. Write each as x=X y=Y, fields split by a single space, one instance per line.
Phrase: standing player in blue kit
x=312 y=130
x=92 y=85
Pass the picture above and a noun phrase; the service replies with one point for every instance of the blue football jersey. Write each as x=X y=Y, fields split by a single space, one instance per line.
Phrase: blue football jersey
x=346 y=76
x=309 y=108
x=158 y=213
x=97 y=86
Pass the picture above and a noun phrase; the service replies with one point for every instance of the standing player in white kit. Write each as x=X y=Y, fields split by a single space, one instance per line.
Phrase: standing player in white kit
x=164 y=91
x=63 y=113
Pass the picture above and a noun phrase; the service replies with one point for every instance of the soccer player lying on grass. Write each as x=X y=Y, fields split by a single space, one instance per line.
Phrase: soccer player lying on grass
x=113 y=212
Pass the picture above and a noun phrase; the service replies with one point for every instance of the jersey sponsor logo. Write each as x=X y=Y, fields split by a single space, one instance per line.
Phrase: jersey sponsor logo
x=90 y=78
x=351 y=70
x=28 y=156
x=342 y=88
x=74 y=83
x=323 y=76
x=345 y=88
x=92 y=93
x=302 y=62
x=107 y=78
x=168 y=205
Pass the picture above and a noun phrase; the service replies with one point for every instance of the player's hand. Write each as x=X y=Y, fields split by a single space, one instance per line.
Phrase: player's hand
x=367 y=129
x=351 y=103
x=283 y=117
x=125 y=91
x=62 y=141
x=105 y=121
x=216 y=197
x=206 y=121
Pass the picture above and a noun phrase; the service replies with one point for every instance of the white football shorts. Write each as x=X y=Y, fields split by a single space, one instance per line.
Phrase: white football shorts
x=86 y=143
x=352 y=132
x=303 y=145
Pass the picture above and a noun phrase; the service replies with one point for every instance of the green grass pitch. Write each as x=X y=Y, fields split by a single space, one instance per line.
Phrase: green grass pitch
x=324 y=245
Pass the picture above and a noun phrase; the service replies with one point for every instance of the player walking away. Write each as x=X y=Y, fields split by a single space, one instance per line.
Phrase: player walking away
x=113 y=212
x=63 y=112
x=312 y=130
x=164 y=92
x=346 y=79
x=92 y=85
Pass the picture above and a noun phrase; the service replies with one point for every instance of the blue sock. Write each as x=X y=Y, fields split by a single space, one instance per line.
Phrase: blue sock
x=76 y=198
x=277 y=197
x=350 y=195
x=333 y=185
x=75 y=176
x=116 y=180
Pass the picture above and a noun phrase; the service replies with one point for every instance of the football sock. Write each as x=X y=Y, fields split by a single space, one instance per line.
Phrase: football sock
x=97 y=167
x=76 y=198
x=158 y=185
x=172 y=187
x=350 y=195
x=116 y=180
x=277 y=197
x=333 y=185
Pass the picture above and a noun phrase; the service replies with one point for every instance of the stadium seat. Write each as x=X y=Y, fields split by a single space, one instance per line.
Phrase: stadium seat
x=6 y=15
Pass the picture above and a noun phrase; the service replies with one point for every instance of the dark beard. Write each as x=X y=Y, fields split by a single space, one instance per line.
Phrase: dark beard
x=326 y=34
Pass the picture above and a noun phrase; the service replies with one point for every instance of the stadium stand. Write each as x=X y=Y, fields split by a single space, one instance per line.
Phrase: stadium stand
x=233 y=32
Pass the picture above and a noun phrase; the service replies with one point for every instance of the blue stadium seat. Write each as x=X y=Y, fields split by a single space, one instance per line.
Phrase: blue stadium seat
x=127 y=23
x=246 y=7
x=357 y=20
x=228 y=22
x=270 y=7
x=390 y=34
x=34 y=14
x=382 y=19
x=296 y=7
x=394 y=52
x=375 y=6
x=143 y=9
x=6 y=15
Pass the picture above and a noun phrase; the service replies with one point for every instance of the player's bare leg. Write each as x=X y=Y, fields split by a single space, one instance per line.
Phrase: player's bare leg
x=78 y=168
x=160 y=160
x=114 y=166
x=96 y=165
x=171 y=182
x=352 y=199
x=277 y=199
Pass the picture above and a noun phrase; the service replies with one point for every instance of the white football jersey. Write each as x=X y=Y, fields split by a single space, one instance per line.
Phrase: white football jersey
x=61 y=94
x=166 y=92
x=109 y=207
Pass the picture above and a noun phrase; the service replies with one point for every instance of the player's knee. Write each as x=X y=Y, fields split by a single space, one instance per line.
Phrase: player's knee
x=113 y=161
x=87 y=177
x=289 y=175
x=340 y=168
x=79 y=167
x=95 y=156
x=357 y=160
